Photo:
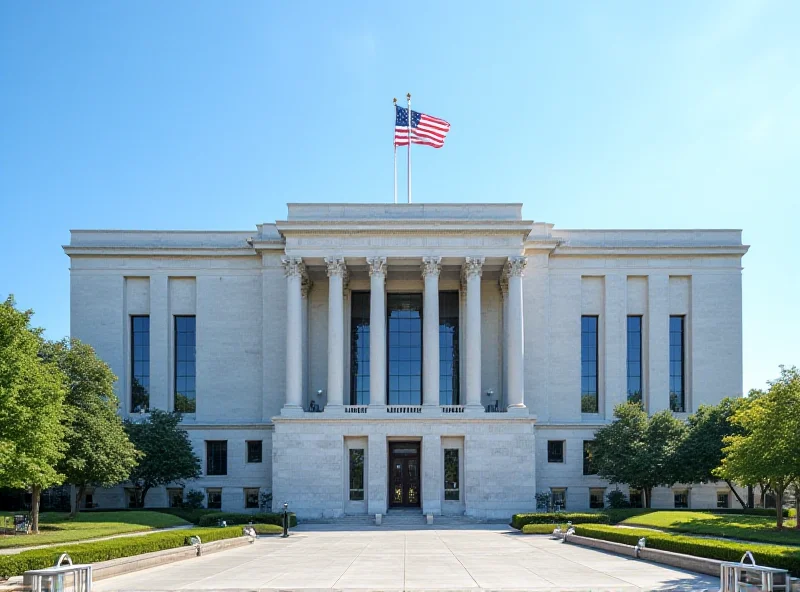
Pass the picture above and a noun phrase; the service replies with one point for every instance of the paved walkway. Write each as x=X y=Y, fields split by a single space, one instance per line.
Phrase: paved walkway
x=475 y=558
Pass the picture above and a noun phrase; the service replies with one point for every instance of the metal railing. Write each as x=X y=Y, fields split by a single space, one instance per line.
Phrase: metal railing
x=356 y=408
x=404 y=409
x=452 y=408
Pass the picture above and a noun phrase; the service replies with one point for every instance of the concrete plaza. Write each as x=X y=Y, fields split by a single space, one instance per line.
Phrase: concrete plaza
x=475 y=558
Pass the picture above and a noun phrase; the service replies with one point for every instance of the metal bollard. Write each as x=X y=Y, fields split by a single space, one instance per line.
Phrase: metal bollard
x=285 y=519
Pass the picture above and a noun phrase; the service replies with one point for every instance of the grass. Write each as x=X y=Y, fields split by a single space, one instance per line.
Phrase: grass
x=734 y=526
x=267 y=529
x=55 y=527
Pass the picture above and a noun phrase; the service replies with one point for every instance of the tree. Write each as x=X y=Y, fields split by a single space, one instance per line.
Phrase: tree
x=638 y=450
x=766 y=449
x=167 y=453
x=98 y=450
x=31 y=408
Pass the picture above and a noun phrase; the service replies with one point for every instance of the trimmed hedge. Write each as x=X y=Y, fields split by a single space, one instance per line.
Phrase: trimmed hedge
x=779 y=556
x=17 y=564
x=540 y=528
x=520 y=520
x=267 y=529
x=234 y=518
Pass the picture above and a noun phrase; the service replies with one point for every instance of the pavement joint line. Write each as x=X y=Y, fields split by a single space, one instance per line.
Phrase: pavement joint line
x=360 y=553
x=469 y=573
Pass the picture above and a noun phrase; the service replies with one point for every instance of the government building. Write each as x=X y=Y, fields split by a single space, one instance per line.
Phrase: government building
x=451 y=358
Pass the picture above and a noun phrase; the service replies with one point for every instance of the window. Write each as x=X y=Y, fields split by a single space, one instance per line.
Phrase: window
x=214 y=499
x=254 y=448
x=130 y=495
x=175 y=497
x=449 y=392
x=596 y=496
x=140 y=364
x=405 y=349
x=723 y=499
x=216 y=457
x=588 y=467
x=356 y=474
x=185 y=368
x=677 y=399
x=635 y=498
x=452 y=492
x=359 y=348
x=88 y=501
x=681 y=498
x=589 y=402
x=635 y=359
x=555 y=451
x=251 y=497
x=559 y=495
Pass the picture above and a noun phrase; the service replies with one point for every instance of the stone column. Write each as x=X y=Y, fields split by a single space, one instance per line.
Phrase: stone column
x=377 y=330
x=504 y=349
x=515 y=336
x=472 y=275
x=431 y=267
x=294 y=270
x=305 y=288
x=336 y=274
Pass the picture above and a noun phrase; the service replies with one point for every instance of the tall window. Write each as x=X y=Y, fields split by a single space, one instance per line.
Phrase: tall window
x=185 y=368
x=254 y=451
x=359 y=348
x=216 y=457
x=140 y=364
x=449 y=393
x=588 y=466
x=452 y=491
x=635 y=359
x=555 y=451
x=589 y=402
x=405 y=349
x=681 y=498
x=677 y=393
x=356 y=474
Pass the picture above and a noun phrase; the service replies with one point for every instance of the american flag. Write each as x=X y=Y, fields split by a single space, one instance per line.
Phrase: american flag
x=425 y=130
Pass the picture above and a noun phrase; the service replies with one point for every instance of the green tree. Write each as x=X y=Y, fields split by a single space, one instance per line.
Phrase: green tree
x=766 y=450
x=638 y=450
x=31 y=408
x=167 y=453
x=98 y=449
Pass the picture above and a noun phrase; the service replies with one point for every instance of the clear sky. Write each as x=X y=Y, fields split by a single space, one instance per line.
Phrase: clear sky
x=213 y=115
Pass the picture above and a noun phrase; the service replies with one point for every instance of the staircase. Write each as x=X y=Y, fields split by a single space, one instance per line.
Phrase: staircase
x=402 y=517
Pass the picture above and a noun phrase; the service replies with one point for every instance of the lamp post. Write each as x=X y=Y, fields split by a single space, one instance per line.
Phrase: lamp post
x=285 y=520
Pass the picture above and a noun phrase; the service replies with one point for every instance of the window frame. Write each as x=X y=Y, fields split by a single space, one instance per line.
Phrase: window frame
x=588 y=469
x=214 y=491
x=587 y=392
x=632 y=397
x=260 y=451
x=727 y=495
x=210 y=459
x=360 y=302
x=133 y=361
x=352 y=474
x=680 y=492
x=602 y=491
x=563 y=452
x=257 y=491
x=170 y=492
x=674 y=407
x=457 y=489
x=558 y=491
x=176 y=376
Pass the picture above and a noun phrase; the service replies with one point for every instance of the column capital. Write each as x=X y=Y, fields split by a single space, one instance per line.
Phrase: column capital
x=335 y=266
x=431 y=266
x=293 y=266
x=515 y=266
x=377 y=265
x=473 y=266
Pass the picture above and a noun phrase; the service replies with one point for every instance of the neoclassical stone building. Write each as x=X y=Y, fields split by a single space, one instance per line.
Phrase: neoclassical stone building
x=449 y=357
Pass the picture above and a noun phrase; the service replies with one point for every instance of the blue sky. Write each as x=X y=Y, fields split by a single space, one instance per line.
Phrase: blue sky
x=214 y=115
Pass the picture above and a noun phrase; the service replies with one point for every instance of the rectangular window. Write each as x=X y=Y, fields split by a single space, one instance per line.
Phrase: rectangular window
x=251 y=497
x=254 y=451
x=589 y=400
x=130 y=494
x=681 y=498
x=723 y=499
x=216 y=457
x=555 y=451
x=175 y=497
x=452 y=492
x=359 y=348
x=140 y=364
x=214 y=499
x=635 y=498
x=559 y=498
x=596 y=498
x=405 y=349
x=677 y=398
x=588 y=467
x=185 y=368
x=356 y=474
x=449 y=392
x=635 y=359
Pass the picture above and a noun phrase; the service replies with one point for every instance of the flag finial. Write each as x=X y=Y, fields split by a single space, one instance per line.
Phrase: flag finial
x=394 y=101
x=408 y=96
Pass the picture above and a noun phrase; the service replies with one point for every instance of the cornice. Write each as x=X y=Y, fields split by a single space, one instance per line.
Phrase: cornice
x=404 y=227
x=565 y=250
x=151 y=251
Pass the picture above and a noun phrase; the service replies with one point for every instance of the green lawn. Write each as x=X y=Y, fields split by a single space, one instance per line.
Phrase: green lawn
x=747 y=528
x=54 y=527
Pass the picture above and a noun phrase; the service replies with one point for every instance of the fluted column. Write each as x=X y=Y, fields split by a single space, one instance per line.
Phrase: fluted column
x=294 y=270
x=377 y=330
x=504 y=349
x=336 y=275
x=305 y=288
x=431 y=267
x=513 y=270
x=472 y=275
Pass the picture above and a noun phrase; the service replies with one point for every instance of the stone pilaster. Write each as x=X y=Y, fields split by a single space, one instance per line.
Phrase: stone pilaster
x=431 y=268
x=514 y=268
x=294 y=271
x=377 y=330
x=337 y=272
x=472 y=270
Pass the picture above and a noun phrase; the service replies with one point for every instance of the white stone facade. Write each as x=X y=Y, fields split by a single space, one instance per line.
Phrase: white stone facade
x=273 y=333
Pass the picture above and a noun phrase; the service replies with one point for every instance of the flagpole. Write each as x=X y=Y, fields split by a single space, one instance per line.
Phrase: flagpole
x=408 y=96
x=394 y=143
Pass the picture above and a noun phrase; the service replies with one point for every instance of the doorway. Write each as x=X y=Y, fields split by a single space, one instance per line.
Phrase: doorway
x=404 y=475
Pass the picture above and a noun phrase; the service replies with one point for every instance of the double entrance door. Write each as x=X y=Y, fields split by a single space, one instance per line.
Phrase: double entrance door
x=404 y=477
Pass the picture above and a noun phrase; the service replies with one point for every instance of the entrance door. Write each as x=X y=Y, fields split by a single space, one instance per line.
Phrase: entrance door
x=404 y=474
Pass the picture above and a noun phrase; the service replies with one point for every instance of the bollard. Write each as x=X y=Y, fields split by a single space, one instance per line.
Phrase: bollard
x=285 y=519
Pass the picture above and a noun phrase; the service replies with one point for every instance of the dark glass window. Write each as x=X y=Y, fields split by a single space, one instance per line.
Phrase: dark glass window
x=216 y=457
x=449 y=393
x=555 y=451
x=140 y=364
x=185 y=367
x=635 y=359
x=359 y=348
x=254 y=451
x=559 y=498
x=635 y=498
x=588 y=467
x=723 y=500
x=677 y=395
x=405 y=349
x=589 y=402
x=596 y=500
x=251 y=497
x=356 y=474
x=214 y=501
x=682 y=498
x=175 y=497
x=452 y=492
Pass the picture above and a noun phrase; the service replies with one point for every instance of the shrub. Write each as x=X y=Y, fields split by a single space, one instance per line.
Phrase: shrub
x=779 y=556
x=194 y=500
x=541 y=528
x=232 y=518
x=520 y=520
x=267 y=529
x=617 y=499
